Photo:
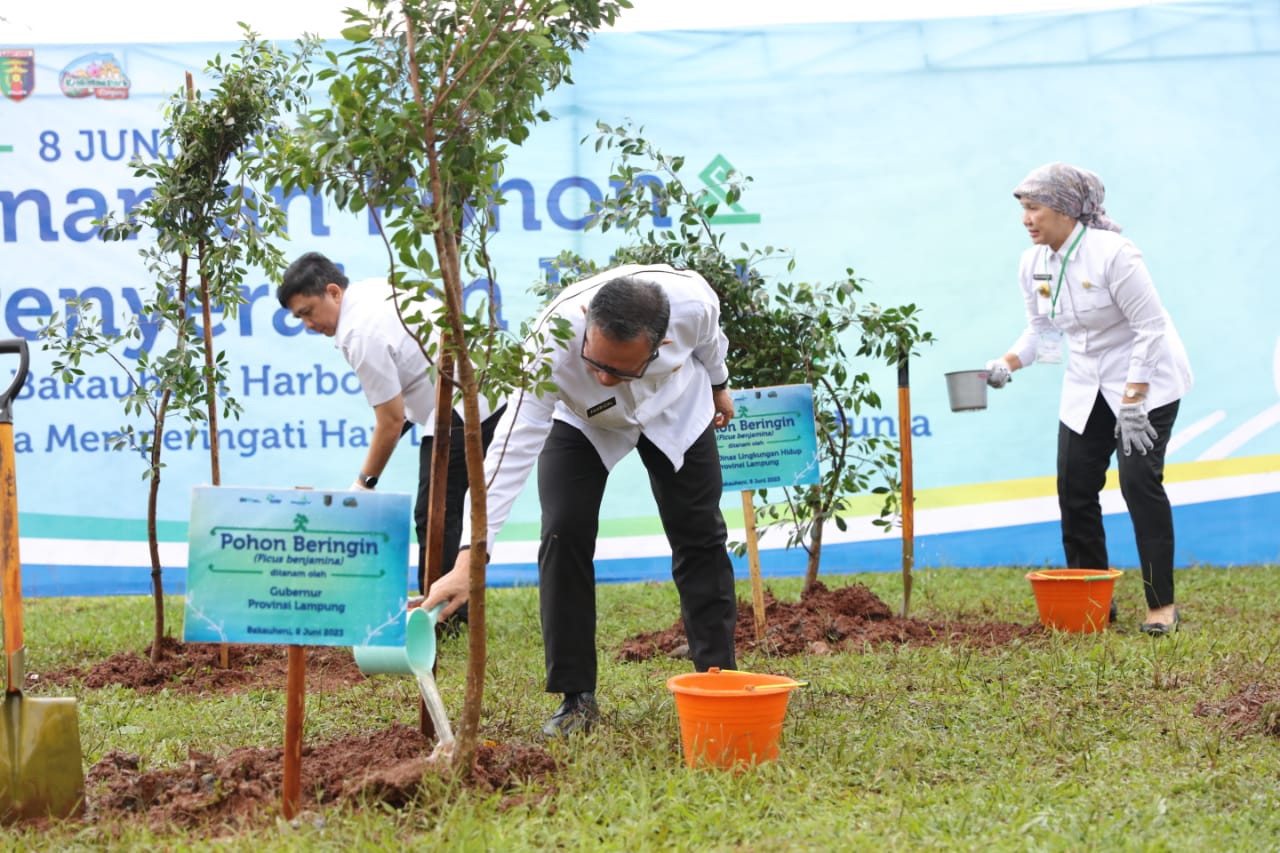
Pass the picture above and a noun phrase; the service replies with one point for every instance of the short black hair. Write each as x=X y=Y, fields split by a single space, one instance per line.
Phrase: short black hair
x=627 y=307
x=308 y=276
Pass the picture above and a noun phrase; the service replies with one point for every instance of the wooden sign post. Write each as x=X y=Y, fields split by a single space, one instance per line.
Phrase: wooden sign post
x=296 y=568
x=770 y=443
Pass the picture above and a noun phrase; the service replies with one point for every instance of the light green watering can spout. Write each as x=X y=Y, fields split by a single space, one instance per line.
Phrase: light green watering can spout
x=416 y=657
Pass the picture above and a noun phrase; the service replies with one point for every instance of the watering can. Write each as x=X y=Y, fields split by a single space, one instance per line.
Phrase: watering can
x=41 y=773
x=416 y=657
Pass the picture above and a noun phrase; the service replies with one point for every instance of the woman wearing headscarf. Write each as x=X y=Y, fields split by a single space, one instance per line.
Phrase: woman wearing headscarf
x=1126 y=372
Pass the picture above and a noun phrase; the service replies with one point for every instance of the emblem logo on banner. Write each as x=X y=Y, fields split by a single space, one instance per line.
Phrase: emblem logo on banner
x=97 y=74
x=716 y=177
x=17 y=72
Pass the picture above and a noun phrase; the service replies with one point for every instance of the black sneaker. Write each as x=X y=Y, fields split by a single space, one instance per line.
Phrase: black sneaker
x=577 y=713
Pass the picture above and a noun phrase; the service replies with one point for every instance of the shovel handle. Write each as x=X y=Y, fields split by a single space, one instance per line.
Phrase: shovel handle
x=19 y=346
x=10 y=562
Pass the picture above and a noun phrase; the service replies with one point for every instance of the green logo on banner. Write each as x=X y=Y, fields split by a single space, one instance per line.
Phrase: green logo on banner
x=716 y=177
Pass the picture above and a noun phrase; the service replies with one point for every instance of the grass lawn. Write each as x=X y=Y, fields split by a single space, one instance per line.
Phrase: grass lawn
x=1110 y=741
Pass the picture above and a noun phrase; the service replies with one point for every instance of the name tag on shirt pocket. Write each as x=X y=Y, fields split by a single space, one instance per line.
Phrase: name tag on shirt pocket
x=598 y=408
x=1041 y=283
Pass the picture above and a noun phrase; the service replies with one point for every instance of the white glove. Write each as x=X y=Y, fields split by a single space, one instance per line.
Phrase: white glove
x=1133 y=429
x=998 y=373
x=358 y=486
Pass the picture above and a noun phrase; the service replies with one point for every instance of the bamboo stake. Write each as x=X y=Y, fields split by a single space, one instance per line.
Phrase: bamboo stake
x=908 y=492
x=753 y=562
x=224 y=650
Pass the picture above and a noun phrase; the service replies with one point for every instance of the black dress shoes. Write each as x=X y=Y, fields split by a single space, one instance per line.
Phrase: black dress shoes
x=577 y=713
x=1160 y=629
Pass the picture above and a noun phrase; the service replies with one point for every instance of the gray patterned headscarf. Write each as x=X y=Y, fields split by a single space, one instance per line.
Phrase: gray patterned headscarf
x=1076 y=192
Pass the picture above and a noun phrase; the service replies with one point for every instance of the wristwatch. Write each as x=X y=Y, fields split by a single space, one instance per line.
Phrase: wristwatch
x=367 y=481
x=1131 y=394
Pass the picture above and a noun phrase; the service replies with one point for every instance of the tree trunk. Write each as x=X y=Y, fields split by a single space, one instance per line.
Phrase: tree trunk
x=815 y=549
x=477 y=648
x=153 y=537
x=447 y=252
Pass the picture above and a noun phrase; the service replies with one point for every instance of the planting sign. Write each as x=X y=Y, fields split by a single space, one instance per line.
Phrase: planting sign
x=771 y=442
x=296 y=567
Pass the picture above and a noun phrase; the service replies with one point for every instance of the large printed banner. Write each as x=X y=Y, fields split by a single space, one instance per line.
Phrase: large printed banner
x=890 y=148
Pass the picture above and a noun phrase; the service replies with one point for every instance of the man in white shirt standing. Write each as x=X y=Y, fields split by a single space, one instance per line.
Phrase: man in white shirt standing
x=362 y=319
x=645 y=370
x=1125 y=375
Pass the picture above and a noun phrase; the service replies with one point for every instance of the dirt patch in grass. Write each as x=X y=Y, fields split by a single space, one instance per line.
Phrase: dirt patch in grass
x=244 y=787
x=826 y=621
x=1252 y=709
x=195 y=668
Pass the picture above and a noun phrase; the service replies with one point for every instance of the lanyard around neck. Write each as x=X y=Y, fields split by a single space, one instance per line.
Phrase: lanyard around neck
x=1053 y=305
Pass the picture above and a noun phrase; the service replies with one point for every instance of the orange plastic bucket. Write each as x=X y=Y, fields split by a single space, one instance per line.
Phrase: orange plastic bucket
x=730 y=718
x=1074 y=599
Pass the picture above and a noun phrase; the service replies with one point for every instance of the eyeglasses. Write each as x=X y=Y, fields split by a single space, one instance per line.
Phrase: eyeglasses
x=613 y=371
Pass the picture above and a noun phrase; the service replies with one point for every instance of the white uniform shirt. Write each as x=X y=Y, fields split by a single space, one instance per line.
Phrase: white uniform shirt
x=671 y=404
x=386 y=359
x=1107 y=309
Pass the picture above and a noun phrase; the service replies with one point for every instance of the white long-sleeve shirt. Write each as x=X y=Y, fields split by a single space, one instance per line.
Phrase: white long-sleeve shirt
x=671 y=404
x=1116 y=329
x=385 y=358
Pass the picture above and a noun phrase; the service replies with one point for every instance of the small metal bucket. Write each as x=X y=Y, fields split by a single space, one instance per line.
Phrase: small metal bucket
x=967 y=390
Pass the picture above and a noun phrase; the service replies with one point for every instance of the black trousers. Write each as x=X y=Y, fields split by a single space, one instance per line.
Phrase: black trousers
x=455 y=492
x=1082 y=471
x=571 y=482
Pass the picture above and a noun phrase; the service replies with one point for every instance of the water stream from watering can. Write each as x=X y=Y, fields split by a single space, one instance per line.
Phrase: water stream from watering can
x=435 y=707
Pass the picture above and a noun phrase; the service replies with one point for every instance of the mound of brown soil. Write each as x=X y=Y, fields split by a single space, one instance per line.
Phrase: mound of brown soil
x=1255 y=707
x=244 y=786
x=824 y=621
x=195 y=668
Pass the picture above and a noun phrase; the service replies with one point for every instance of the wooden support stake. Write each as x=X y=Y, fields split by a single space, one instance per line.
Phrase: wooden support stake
x=433 y=552
x=295 y=700
x=908 y=492
x=753 y=561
